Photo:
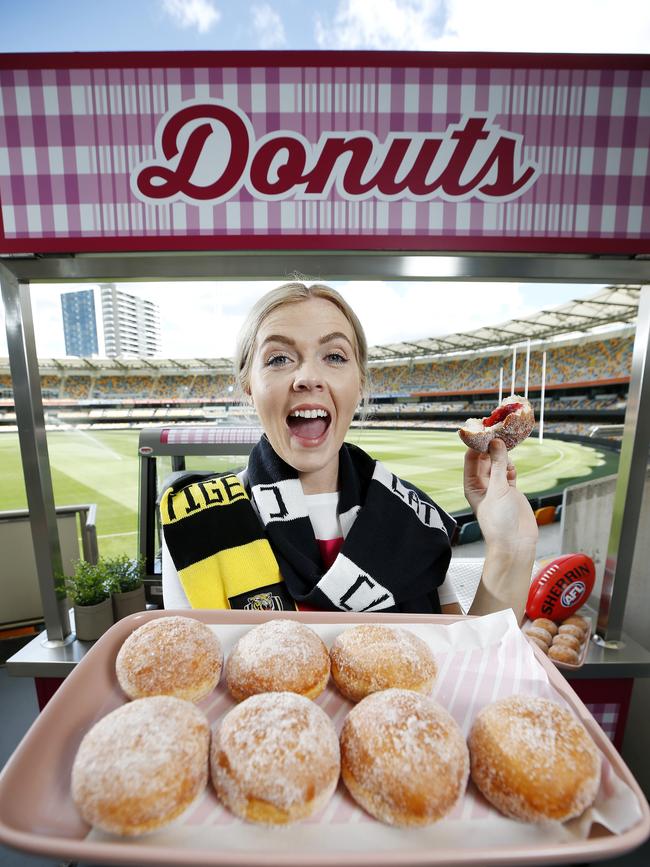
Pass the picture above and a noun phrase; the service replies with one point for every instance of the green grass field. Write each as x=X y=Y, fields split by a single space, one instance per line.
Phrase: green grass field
x=102 y=467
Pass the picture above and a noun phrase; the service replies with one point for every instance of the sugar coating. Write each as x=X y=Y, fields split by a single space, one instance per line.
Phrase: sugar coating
x=569 y=629
x=567 y=640
x=403 y=757
x=533 y=760
x=545 y=623
x=176 y=656
x=278 y=656
x=563 y=653
x=512 y=430
x=541 y=633
x=372 y=657
x=141 y=765
x=278 y=748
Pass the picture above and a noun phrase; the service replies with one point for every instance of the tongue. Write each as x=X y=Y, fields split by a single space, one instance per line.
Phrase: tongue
x=309 y=428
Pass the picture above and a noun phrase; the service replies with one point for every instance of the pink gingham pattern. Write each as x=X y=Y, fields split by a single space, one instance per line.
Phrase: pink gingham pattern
x=71 y=138
x=216 y=435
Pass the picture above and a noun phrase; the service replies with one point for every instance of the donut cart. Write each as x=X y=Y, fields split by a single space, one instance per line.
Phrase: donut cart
x=242 y=165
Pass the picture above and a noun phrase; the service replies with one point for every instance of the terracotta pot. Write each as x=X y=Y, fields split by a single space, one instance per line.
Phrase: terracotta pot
x=128 y=602
x=91 y=621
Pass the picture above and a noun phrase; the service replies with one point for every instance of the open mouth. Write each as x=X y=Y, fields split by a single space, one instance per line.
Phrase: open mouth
x=309 y=424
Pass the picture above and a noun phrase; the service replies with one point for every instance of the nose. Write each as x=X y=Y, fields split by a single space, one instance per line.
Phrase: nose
x=308 y=377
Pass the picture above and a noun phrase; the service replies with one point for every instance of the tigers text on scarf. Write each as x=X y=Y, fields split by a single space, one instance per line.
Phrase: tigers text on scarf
x=395 y=554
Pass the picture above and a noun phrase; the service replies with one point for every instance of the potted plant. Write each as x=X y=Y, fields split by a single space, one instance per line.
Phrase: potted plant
x=125 y=579
x=90 y=593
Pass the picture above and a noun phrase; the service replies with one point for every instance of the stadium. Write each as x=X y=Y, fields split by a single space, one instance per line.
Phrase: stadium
x=419 y=394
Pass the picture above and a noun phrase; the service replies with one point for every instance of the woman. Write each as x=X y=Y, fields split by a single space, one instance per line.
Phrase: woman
x=314 y=522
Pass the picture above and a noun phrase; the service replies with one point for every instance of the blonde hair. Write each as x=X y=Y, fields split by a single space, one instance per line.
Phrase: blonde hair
x=294 y=293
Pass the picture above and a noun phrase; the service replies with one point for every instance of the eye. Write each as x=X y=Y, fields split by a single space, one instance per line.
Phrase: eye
x=336 y=357
x=278 y=359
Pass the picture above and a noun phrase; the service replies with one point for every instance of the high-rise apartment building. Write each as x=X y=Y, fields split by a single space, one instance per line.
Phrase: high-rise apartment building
x=79 y=322
x=131 y=324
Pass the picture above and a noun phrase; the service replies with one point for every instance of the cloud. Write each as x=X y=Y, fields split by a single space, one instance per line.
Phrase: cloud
x=387 y=24
x=268 y=26
x=192 y=13
x=476 y=25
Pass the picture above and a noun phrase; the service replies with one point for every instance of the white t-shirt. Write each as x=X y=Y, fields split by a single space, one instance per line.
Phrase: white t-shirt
x=323 y=514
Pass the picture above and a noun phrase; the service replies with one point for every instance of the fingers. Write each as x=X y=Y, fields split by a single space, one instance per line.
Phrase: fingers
x=477 y=469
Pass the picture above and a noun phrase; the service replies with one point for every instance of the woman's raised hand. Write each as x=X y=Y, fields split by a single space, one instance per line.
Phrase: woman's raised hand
x=503 y=512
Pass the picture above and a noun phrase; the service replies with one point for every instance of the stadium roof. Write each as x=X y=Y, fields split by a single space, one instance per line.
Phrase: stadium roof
x=610 y=307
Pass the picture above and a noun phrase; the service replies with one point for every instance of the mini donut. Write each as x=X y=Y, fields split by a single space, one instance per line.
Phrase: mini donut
x=278 y=656
x=537 y=632
x=577 y=620
x=403 y=758
x=565 y=640
x=141 y=765
x=372 y=657
x=533 y=760
x=176 y=656
x=545 y=623
x=275 y=758
x=569 y=629
x=512 y=421
x=563 y=653
x=538 y=641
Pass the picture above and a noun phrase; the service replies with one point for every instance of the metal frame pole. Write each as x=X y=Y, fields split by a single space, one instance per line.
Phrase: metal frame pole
x=630 y=483
x=33 y=448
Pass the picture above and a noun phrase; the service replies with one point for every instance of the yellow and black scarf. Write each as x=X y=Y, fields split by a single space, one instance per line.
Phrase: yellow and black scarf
x=234 y=553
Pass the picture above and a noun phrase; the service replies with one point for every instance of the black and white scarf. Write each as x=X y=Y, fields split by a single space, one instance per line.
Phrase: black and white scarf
x=397 y=541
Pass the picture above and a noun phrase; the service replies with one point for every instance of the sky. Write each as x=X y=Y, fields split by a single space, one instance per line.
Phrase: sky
x=207 y=323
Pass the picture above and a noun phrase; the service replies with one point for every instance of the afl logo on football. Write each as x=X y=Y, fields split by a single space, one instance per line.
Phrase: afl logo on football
x=572 y=593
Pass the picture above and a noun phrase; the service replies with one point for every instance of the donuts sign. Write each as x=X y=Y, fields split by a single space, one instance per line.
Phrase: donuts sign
x=207 y=151
x=330 y=150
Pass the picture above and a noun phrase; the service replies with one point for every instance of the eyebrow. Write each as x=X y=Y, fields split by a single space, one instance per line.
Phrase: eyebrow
x=327 y=338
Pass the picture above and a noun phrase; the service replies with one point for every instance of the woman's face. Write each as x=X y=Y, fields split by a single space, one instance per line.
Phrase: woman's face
x=305 y=385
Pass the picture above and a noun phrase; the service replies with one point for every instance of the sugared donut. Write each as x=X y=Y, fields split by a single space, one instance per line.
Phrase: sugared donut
x=577 y=620
x=563 y=653
x=176 y=656
x=278 y=656
x=543 y=646
x=275 y=758
x=533 y=760
x=512 y=421
x=538 y=632
x=372 y=657
x=567 y=640
x=545 y=623
x=141 y=765
x=569 y=629
x=403 y=757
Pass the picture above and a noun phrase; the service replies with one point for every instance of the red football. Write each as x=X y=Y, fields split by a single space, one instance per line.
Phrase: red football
x=561 y=587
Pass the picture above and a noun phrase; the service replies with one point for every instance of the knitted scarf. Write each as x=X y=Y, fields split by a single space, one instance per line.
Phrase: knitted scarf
x=395 y=554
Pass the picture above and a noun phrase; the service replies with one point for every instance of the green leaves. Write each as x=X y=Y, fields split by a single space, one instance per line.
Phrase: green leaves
x=92 y=583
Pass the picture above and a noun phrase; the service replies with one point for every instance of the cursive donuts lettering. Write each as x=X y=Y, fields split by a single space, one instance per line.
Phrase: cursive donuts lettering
x=206 y=151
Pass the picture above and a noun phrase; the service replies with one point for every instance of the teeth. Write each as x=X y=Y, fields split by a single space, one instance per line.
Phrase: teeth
x=309 y=413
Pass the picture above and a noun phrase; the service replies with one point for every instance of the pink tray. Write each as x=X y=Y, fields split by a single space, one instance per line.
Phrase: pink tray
x=37 y=813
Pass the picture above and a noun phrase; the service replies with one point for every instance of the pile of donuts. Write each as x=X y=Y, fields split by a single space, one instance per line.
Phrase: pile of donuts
x=276 y=758
x=562 y=641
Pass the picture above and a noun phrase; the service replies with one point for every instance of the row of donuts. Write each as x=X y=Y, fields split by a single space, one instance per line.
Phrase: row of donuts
x=562 y=641
x=275 y=758
x=183 y=657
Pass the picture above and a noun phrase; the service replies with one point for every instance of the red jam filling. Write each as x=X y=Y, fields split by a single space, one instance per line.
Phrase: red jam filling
x=500 y=413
